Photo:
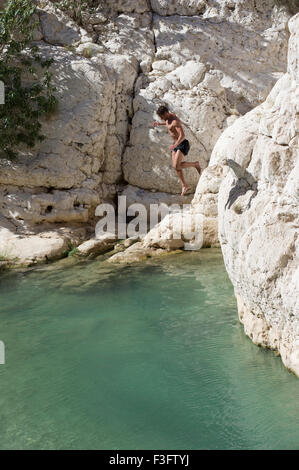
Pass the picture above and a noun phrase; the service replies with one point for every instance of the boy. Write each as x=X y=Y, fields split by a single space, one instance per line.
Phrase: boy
x=181 y=145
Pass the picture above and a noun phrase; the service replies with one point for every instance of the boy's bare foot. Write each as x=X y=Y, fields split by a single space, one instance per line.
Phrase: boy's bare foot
x=184 y=190
x=198 y=168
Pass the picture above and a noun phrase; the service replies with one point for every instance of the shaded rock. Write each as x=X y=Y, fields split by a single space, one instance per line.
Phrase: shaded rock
x=130 y=241
x=97 y=245
x=135 y=253
x=57 y=28
x=178 y=7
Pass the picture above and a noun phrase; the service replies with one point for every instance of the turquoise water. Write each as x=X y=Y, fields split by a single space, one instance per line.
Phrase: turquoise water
x=138 y=357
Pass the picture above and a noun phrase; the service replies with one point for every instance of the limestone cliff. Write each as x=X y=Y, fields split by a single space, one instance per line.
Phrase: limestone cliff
x=209 y=60
x=259 y=222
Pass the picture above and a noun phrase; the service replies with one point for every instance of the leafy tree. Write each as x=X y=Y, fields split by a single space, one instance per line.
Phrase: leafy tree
x=26 y=76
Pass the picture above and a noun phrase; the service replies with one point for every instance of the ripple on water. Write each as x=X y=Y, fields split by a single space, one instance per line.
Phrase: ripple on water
x=144 y=356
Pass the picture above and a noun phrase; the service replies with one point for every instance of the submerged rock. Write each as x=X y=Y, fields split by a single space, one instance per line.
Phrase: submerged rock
x=135 y=253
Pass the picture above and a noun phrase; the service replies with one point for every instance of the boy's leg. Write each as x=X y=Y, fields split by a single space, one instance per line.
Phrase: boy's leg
x=191 y=165
x=177 y=158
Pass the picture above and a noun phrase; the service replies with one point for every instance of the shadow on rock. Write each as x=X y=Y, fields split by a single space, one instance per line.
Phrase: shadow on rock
x=245 y=182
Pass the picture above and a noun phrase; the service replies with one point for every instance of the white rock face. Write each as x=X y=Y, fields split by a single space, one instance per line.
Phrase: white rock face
x=83 y=144
x=258 y=225
x=203 y=58
x=222 y=55
x=136 y=253
x=236 y=143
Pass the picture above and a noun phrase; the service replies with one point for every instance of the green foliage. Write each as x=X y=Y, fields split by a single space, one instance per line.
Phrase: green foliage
x=5 y=257
x=71 y=251
x=27 y=79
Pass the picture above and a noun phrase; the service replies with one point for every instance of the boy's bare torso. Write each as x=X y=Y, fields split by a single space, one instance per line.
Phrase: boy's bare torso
x=173 y=125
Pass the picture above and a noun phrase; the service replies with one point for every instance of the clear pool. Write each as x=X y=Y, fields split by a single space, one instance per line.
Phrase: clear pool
x=140 y=357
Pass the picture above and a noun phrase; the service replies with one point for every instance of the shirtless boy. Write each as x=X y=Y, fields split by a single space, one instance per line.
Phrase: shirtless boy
x=181 y=145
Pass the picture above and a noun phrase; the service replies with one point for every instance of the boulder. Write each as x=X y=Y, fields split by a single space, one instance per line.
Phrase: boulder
x=96 y=246
x=136 y=253
x=57 y=28
x=31 y=249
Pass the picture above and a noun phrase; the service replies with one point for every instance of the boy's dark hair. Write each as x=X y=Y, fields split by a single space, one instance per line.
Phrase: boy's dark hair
x=162 y=110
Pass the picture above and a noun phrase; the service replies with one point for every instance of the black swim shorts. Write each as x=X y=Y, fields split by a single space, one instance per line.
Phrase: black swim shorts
x=184 y=147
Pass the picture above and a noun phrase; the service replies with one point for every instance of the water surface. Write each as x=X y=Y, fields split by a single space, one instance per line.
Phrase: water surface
x=139 y=357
